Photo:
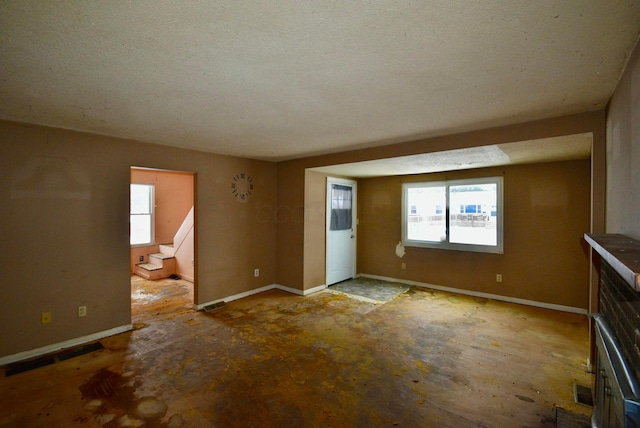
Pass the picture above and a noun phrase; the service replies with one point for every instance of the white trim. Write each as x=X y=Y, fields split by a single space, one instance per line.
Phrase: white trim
x=314 y=290
x=263 y=289
x=508 y=299
x=237 y=296
x=289 y=289
x=446 y=243
x=63 y=345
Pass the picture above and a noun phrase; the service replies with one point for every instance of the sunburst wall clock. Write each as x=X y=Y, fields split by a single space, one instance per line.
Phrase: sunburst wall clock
x=242 y=186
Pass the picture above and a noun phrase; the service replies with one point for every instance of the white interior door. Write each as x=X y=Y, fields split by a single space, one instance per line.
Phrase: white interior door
x=341 y=230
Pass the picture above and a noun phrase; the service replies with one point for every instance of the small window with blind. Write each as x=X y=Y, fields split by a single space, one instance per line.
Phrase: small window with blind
x=341 y=211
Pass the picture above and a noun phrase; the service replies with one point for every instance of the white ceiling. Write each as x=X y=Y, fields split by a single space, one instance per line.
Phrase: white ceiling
x=283 y=79
x=568 y=147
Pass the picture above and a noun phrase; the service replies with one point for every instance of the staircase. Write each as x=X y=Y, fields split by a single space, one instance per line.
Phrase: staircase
x=160 y=265
x=163 y=264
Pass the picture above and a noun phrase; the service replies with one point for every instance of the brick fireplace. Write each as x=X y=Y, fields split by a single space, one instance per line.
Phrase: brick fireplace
x=621 y=305
x=617 y=326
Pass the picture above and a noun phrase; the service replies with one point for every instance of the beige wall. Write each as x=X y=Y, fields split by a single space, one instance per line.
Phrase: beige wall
x=623 y=153
x=315 y=203
x=545 y=258
x=290 y=215
x=64 y=224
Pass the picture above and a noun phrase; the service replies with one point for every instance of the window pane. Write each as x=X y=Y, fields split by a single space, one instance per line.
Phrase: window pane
x=141 y=218
x=140 y=199
x=426 y=219
x=463 y=215
x=140 y=229
x=340 y=197
x=341 y=214
x=473 y=214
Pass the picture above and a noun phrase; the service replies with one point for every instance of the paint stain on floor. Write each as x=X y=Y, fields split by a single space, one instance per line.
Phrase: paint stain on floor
x=111 y=398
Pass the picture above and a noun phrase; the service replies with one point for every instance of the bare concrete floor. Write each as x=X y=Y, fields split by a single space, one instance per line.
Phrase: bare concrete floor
x=425 y=359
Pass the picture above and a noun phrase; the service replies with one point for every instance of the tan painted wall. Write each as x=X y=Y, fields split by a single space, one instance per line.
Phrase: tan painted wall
x=315 y=204
x=623 y=153
x=173 y=200
x=290 y=226
x=545 y=258
x=298 y=258
x=64 y=222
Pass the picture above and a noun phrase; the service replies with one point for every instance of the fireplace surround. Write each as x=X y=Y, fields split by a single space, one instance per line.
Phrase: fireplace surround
x=617 y=327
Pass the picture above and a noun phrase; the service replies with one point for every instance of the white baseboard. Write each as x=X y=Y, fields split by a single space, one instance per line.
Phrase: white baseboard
x=300 y=292
x=262 y=289
x=63 y=345
x=508 y=299
x=289 y=289
x=237 y=296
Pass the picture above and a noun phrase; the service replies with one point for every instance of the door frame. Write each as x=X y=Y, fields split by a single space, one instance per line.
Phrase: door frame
x=195 y=220
x=354 y=220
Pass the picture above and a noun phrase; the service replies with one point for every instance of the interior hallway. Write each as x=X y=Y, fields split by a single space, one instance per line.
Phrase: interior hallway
x=425 y=359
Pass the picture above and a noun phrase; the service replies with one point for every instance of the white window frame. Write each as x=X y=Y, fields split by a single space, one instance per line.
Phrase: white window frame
x=151 y=215
x=445 y=244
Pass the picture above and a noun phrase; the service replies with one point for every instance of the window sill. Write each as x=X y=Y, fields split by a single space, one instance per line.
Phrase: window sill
x=454 y=247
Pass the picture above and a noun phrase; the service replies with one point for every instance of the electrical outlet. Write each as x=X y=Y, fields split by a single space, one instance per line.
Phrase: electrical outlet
x=404 y=265
x=45 y=318
x=82 y=311
x=256 y=272
x=498 y=277
x=141 y=258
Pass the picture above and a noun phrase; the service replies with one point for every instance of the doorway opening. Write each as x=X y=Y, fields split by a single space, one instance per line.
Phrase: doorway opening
x=162 y=239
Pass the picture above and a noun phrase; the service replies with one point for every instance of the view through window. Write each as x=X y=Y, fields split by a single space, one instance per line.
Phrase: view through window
x=461 y=214
x=141 y=218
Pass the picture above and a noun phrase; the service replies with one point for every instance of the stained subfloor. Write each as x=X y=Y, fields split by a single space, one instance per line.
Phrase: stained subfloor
x=423 y=359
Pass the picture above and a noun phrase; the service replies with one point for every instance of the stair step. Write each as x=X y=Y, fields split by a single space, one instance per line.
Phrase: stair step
x=167 y=249
x=160 y=265
x=149 y=266
x=161 y=256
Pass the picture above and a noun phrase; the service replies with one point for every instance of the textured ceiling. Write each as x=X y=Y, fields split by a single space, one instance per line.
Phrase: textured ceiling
x=283 y=79
x=566 y=147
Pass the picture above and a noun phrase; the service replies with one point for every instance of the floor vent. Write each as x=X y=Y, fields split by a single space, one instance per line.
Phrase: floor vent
x=78 y=350
x=25 y=366
x=45 y=360
x=582 y=395
x=213 y=307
